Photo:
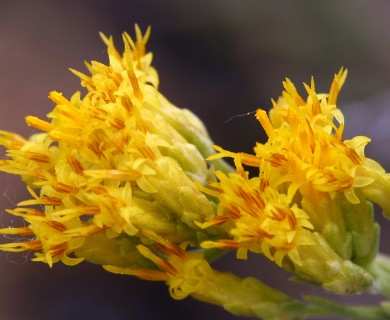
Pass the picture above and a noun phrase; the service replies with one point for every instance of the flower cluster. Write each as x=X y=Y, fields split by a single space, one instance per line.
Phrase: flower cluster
x=115 y=162
x=263 y=221
x=122 y=178
x=310 y=183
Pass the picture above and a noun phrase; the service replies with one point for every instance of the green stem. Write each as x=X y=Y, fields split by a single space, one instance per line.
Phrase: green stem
x=349 y=312
x=252 y=298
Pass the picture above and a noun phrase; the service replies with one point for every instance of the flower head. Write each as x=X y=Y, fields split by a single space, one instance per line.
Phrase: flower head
x=115 y=161
x=294 y=208
x=185 y=272
x=258 y=218
x=305 y=147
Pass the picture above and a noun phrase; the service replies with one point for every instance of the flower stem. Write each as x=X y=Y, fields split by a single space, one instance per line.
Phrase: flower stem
x=349 y=312
x=252 y=298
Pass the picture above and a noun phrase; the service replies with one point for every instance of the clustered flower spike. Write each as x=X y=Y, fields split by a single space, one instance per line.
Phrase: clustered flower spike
x=121 y=177
x=115 y=162
x=308 y=179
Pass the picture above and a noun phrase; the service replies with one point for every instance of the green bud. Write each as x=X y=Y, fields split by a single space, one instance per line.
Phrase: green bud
x=321 y=265
x=178 y=192
x=188 y=125
x=326 y=215
x=365 y=232
x=379 y=190
x=190 y=160
x=120 y=251
x=192 y=129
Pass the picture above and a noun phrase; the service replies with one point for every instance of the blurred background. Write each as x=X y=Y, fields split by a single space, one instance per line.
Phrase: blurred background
x=219 y=58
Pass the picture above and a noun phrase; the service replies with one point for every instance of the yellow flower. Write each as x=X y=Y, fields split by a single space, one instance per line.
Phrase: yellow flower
x=53 y=241
x=117 y=177
x=306 y=158
x=116 y=161
x=310 y=144
x=258 y=218
x=293 y=210
x=305 y=148
x=185 y=272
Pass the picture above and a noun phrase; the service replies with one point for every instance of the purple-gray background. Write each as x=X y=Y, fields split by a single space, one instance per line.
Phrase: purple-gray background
x=218 y=58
